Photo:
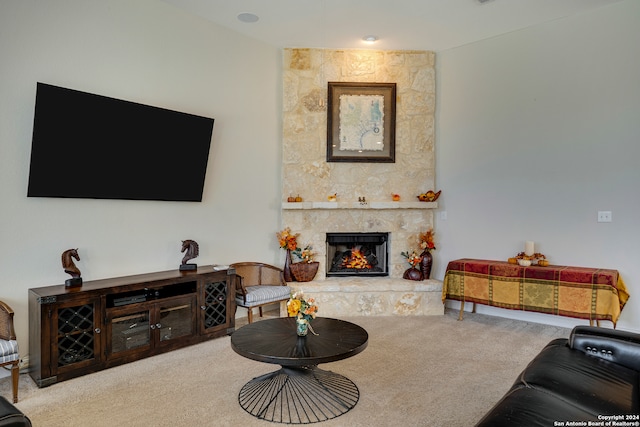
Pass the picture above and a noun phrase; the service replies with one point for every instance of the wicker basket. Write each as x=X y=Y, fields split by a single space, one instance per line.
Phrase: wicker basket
x=304 y=271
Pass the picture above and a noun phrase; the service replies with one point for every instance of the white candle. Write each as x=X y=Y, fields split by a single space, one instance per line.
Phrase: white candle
x=528 y=248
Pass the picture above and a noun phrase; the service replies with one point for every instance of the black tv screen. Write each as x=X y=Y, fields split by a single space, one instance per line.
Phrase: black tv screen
x=92 y=146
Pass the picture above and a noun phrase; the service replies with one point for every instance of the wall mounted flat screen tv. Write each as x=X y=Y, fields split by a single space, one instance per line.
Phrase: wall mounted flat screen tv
x=92 y=146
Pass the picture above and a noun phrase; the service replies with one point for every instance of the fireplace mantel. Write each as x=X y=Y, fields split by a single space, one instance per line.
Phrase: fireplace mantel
x=358 y=205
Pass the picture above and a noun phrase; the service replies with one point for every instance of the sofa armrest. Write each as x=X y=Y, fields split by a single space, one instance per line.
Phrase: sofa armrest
x=10 y=416
x=616 y=346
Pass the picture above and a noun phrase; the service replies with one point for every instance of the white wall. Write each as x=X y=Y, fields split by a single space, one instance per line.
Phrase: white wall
x=537 y=130
x=145 y=51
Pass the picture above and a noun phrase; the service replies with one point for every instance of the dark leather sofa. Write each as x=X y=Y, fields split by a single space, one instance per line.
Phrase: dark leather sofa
x=10 y=416
x=592 y=376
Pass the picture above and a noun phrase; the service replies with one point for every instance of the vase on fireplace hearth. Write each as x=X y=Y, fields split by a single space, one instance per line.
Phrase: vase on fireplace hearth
x=412 y=274
x=288 y=277
x=426 y=262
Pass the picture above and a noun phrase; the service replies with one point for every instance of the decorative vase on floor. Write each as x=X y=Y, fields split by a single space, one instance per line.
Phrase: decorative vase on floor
x=287 y=267
x=302 y=327
x=425 y=264
x=412 y=274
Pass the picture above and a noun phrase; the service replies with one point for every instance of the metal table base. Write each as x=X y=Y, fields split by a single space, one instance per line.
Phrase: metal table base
x=299 y=395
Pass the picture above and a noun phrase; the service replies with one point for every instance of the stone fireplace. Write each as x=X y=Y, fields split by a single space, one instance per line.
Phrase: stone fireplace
x=307 y=173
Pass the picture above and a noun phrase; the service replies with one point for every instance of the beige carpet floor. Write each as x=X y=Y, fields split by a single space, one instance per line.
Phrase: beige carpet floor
x=416 y=371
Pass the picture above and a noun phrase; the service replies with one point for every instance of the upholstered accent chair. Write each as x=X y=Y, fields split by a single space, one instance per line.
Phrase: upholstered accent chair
x=9 y=346
x=259 y=284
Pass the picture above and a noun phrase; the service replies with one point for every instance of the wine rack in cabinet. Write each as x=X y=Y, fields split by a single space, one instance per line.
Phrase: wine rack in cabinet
x=104 y=323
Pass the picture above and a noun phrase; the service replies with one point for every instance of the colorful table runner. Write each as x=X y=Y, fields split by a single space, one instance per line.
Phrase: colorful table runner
x=579 y=292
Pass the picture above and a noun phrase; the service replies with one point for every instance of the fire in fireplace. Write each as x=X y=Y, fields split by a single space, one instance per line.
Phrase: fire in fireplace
x=357 y=254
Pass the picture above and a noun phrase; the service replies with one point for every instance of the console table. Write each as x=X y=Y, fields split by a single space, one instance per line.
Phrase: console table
x=299 y=392
x=108 y=322
x=579 y=292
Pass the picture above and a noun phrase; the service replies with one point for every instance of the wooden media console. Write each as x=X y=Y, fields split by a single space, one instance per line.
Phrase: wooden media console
x=109 y=322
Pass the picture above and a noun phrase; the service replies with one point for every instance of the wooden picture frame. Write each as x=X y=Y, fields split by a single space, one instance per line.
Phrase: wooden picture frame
x=361 y=122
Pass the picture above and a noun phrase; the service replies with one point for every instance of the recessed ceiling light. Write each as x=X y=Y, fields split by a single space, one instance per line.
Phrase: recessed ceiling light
x=248 y=17
x=370 y=39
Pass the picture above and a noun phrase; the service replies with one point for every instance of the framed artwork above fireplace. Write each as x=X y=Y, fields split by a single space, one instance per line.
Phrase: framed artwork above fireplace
x=361 y=122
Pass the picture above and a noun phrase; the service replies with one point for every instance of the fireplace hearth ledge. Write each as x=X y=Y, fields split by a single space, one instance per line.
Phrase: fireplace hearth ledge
x=374 y=296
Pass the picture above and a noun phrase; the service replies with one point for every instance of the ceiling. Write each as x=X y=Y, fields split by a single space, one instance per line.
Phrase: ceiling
x=399 y=24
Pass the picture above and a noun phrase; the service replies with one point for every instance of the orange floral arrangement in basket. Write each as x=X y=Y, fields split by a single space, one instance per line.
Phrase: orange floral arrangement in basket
x=412 y=258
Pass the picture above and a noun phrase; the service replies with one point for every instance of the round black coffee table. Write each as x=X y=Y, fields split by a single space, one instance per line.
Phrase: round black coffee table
x=299 y=392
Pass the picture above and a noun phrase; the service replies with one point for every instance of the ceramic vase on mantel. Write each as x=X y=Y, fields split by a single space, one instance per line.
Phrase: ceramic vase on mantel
x=412 y=274
x=425 y=264
x=288 y=277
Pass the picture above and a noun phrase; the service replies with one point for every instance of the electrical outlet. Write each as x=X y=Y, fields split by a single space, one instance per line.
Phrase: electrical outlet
x=604 y=216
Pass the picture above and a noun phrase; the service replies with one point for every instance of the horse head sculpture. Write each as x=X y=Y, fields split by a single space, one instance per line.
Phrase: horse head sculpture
x=192 y=250
x=68 y=264
x=70 y=267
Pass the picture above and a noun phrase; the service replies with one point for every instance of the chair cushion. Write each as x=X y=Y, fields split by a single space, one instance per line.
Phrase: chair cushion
x=258 y=295
x=8 y=351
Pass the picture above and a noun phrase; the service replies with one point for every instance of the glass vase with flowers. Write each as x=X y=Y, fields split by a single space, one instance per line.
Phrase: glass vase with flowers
x=304 y=310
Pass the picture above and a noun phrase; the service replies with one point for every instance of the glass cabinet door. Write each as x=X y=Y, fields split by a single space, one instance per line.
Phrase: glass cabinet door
x=130 y=331
x=175 y=319
x=142 y=327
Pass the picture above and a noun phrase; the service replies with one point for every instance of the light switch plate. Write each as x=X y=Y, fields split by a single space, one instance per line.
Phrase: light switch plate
x=604 y=216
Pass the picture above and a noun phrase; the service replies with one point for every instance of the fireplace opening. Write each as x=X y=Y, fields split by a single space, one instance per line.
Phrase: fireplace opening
x=357 y=254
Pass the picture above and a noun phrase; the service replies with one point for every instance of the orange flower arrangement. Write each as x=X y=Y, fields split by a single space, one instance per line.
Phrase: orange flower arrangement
x=426 y=240
x=412 y=258
x=302 y=308
x=288 y=240
x=306 y=255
